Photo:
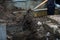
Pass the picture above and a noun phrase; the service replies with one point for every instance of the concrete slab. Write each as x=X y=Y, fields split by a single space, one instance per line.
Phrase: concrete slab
x=55 y=17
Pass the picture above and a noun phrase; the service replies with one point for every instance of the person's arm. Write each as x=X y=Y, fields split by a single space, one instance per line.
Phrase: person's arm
x=41 y=4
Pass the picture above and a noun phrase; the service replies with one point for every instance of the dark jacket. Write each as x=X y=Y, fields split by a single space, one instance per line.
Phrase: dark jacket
x=57 y=2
